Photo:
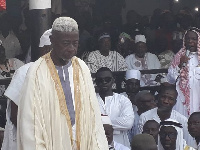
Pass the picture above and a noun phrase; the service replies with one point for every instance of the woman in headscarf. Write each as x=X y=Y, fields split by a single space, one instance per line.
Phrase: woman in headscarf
x=171 y=136
x=185 y=72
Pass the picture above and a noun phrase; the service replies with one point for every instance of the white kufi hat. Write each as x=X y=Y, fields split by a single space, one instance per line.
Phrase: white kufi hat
x=45 y=40
x=133 y=74
x=140 y=38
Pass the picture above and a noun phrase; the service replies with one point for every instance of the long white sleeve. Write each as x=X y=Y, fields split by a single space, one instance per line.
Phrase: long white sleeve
x=126 y=118
x=173 y=73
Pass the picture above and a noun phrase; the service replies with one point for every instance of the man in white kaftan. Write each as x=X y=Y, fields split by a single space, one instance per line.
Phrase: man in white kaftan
x=143 y=60
x=120 y=111
x=12 y=93
x=116 y=106
x=105 y=58
x=47 y=117
x=186 y=74
x=166 y=101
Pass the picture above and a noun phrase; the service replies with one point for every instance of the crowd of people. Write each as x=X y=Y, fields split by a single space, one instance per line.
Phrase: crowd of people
x=54 y=103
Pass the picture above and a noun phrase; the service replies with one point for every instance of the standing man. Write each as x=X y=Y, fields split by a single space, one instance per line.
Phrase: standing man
x=185 y=73
x=116 y=106
x=58 y=107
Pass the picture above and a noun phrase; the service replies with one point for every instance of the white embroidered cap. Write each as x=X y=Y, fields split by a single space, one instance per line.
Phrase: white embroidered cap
x=133 y=74
x=106 y=120
x=140 y=38
x=45 y=40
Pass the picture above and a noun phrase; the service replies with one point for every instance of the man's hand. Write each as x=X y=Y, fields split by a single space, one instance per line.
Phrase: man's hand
x=184 y=59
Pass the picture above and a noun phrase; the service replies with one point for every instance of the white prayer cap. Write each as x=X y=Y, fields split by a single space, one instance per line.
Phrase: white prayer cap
x=45 y=40
x=106 y=120
x=140 y=38
x=133 y=74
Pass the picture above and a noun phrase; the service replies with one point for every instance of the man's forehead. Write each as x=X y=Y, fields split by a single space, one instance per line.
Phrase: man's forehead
x=195 y=117
x=132 y=80
x=168 y=92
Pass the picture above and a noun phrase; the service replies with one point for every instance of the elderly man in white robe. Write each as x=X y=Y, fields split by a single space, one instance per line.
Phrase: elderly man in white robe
x=104 y=57
x=166 y=101
x=143 y=60
x=13 y=93
x=185 y=73
x=116 y=106
x=58 y=106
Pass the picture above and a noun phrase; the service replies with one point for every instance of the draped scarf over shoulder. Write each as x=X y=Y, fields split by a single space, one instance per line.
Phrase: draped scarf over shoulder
x=184 y=72
x=83 y=116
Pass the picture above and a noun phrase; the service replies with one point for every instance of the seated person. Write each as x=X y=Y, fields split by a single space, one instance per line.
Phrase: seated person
x=152 y=127
x=171 y=136
x=116 y=106
x=124 y=45
x=144 y=102
x=164 y=110
x=132 y=85
x=143 y=142
x=143 y=60
x=194 y=128
x=104 y=57
x=7 y=66
x=109 y=134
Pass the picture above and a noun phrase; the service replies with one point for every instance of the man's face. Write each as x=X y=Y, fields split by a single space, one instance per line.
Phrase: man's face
x=146 y=103
x=132 y=86
x=105 y=44
x=104 y=80
x=152 y=128
x=194 y=125
x=191 y=41
x=140 y=49
x=168 y=136
x=65 y=44
x=167 y=100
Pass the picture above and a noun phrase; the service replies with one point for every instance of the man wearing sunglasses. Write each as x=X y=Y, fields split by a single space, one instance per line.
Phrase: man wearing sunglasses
x=116 y=106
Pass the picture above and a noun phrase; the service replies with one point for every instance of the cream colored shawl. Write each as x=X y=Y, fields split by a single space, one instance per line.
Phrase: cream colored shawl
x=43 y=119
